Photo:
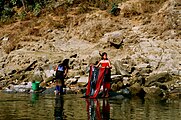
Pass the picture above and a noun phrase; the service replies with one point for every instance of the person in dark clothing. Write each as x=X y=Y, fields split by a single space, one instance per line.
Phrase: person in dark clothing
x=61 y=73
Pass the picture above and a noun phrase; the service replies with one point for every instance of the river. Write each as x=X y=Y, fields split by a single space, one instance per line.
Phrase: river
x=72 y=106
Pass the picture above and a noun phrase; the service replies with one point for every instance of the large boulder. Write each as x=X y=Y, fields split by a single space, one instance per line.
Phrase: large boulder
x=94 y=57
x=135 y=89
x=160 y=77
x=153 y=92
x=120 y=69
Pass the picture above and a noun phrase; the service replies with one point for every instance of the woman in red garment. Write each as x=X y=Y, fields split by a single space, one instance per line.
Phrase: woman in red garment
x=105 y=63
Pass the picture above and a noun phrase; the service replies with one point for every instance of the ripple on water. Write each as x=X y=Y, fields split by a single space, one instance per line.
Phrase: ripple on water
x=48 y=107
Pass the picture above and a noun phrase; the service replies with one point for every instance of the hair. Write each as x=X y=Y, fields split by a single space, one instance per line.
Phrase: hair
x=65 y=62
x=104 y=53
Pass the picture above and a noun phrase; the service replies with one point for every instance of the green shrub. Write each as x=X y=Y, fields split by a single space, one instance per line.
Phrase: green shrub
x=37 y=9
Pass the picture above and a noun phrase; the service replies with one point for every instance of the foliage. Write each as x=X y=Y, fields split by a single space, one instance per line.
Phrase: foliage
x=7 y=8
x=37 y=9
x=115 y=10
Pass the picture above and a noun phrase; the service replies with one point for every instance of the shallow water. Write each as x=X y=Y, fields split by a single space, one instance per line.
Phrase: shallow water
x=49 y=107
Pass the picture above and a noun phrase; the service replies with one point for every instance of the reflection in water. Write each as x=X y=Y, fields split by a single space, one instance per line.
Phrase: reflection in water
x=106 y=109
x=71 y=107
x=58 y=109
x=34 y=97
x=95 y=111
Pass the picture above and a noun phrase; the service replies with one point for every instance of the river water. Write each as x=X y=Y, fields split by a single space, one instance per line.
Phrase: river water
x=72 y=107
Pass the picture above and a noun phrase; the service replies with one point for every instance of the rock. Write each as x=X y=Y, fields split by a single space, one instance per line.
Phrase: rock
x=22 y=88
x=111 y=37
x=135 y=89
x=153 y=91
x=82 y=79
x=160 y=77
x=3 y=83
x=5 y=38
x=37 y=77
x=114 y=87
x=116 y=78
x=82 y=84
x=120 y=84
x=73 y=56
x=50 y=79
x=126 y=82
x=119 y=69
x=71 y=81
x=94 y=57
x=125 y=92
x=143 y=65
x=49 y=73
x=145 y=71
x=113 y=70
x=12 y=72
x=43 y=84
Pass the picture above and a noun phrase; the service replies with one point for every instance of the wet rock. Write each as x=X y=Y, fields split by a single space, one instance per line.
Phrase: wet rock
x=114 y=87
x=120 y=84
x=23 y=87
x=160 y=77
x=153 y=91
x=117 y=97
x=135 y=89
x=125 y=92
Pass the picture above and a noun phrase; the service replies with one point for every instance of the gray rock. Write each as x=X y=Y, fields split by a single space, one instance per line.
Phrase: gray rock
x=160 y=77
x=119 y=69
x=94 y=57
x=116 y=78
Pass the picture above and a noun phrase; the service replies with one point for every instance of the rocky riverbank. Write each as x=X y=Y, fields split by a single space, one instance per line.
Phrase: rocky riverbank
x=143 y=45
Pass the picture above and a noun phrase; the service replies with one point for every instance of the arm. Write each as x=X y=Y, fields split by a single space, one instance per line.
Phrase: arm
x=66 y=71
x=110 y=64
x=98 y=64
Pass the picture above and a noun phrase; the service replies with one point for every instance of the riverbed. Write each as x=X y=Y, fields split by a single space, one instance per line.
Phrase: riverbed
x=48 y=107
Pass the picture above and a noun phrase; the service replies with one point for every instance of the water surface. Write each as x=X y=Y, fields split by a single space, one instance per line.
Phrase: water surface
x=71 y=107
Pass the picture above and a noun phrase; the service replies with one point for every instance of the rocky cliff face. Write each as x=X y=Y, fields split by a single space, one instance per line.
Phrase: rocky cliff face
x=143 y=40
